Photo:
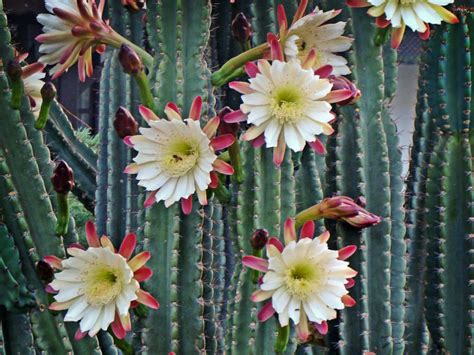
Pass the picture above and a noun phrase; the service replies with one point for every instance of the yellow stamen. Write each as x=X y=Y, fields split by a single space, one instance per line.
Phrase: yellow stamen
x=181 y=157
x=287 y=104
x=102 y=284
x=302 y=279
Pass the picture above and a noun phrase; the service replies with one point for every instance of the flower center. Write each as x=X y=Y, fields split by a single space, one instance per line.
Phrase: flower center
x=302 y=280
x=102 y=285
x=180 y=158
x=286 y=104
x=408 y=2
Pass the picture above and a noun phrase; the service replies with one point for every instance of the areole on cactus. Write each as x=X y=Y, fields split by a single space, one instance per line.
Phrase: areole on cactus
x=230 y=272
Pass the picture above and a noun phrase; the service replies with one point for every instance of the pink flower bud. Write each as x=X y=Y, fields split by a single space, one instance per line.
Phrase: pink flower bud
x=227 y=128
x=131 y=62
x=241 y=28
x=63 y=178
x=125 y=124
x=343 y=208
x=44 y=271
x=48 y=92
x=14 y=70
x=342 y=83
x=259 y=239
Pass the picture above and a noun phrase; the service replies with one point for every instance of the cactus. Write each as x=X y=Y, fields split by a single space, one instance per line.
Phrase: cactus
x=440 y=183
x=197 y=257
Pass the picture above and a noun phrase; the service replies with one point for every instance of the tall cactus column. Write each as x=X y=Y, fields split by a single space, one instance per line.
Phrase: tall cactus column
x=447 y=178
x=365 y=148
x=180 y=35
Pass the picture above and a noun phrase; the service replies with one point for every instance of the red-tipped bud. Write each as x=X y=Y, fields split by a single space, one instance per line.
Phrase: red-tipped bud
x=342 y=83
x=125 y=125
x=346 y=209
x=259 y=239
x=48 y=92
x=130 y=60
x=14 y=70
x=44 y=271
x=241 y=28
x=63 y=178
x=227 y=128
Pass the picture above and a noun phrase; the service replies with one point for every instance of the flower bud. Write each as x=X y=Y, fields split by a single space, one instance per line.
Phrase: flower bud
x=241 y=28
x=48 y=92
x=342 y=83
x=227 y=128
x=339 y=208
x=345 y=209
x=14 y=70
x=259 y=239
x=130 y=60
x=63 y=178
x=44 y=271
x=124 y=123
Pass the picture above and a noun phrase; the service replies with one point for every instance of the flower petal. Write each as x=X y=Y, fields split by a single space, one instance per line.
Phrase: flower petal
x=128 y=245
x=255 y=263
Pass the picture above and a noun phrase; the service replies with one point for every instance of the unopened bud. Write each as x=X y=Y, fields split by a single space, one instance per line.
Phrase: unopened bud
x=342 y=83
x=130 y=60
x=14 y=70
x=259 y=239
x=48 y=91
x=44 y=271
x=227 y=128
x=241 y=28
x=125 y=125
x=63 y=178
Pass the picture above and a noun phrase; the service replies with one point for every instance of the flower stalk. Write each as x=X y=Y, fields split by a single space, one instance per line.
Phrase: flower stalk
x=14 y=72
x=132 y=64
x=48 y=94
x=63 y=183
x=234 y=66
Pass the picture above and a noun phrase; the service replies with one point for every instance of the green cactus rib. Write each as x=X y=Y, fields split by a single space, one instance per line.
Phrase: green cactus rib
x=348 y=181
x=288 y=190
x=390 y=69
x=219 y=270
x=28 y=181
x=161 y=239
x=267 y=185
x=456 y=234
x=102 y=167
x=190 y=313
x=241 y=221
x=434 y=309
x=369 y=78
x=423 y=143
x=16 y=293
x=210 y=315
x=308 y=185
x=116 y=157
x=135 y=195
x=46 y=327
x=398 y=262
x=455 y=81
x=18 y=337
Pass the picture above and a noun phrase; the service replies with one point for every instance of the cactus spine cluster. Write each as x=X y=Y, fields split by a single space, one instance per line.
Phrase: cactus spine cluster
x=408 y=301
